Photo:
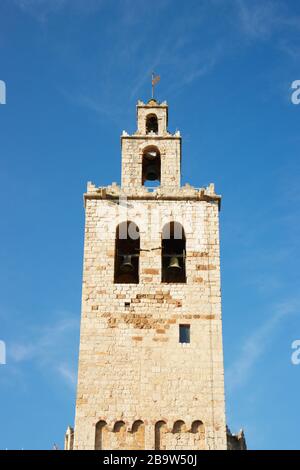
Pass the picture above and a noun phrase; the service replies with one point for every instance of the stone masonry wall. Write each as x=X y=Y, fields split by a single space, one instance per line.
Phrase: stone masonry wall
x=132 y=152
x=152 y=107
x=138 y=387
x=168 y=144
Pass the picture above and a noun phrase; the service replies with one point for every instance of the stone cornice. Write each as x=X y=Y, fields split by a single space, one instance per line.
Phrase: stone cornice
x=184 y=193
x=151 y=136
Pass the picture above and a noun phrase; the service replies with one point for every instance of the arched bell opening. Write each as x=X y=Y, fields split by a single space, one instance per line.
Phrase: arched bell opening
x=151 y=166
x=173 y=253
x=151 y=124
x=127 y=253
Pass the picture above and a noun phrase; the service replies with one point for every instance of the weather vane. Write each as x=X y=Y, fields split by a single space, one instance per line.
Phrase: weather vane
x=154 y=81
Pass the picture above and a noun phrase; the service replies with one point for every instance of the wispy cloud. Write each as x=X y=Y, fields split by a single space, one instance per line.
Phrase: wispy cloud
x=257 y=342
x=291 y=49
x=151 y=45
x=259 y=19
x=68 y=373
x=139 y=44
x=136 y=43
x=42 y=9
x=49 y=347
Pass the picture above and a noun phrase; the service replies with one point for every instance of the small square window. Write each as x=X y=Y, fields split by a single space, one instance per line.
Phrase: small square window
x=184 y=334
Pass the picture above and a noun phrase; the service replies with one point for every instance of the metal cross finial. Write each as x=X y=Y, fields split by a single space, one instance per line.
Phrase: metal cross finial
x=154 y=81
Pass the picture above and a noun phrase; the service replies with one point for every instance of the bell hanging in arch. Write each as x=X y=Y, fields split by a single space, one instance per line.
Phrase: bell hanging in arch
x=126 y=266
x=174 y=264
x=151 y=173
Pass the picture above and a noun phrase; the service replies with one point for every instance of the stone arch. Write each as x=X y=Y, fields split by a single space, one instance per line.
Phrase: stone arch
x=151 y=165
x=101 y=436
x=118 y=441
x=179 y=426
x=180 y=436
x=173 y=253
x=127 y=253
x=198 y=435
x=119 y=426
x=151 y=123
x=160 y=435
x=138 y=435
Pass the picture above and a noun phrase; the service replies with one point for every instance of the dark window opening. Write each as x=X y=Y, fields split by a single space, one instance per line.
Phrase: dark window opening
x=151 y=166
x=173 y=253
x=184 y=334
x=127 y=252
x=151 y=124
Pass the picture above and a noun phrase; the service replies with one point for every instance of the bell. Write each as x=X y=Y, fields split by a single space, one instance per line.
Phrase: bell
x=151 y=173
x=126 y=266
x=174 y=263
x=151 y=154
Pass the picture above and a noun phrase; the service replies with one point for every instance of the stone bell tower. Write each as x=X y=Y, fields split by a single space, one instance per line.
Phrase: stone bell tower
x=151 y=360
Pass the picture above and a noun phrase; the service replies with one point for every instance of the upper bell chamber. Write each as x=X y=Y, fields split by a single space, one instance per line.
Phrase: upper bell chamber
x=151 y=161
x=152 y=155
x=152 y=118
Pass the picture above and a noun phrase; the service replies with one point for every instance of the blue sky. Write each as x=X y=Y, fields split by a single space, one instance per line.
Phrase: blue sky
x=74 y=71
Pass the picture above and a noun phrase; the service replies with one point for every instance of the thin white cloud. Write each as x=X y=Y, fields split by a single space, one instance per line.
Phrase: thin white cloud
x=291 y=49
x=42 y=9
x=68 y=373
x=48 y=347
x=205 y=64
x=181 y=60
x=256 y=344
x=259 y=19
